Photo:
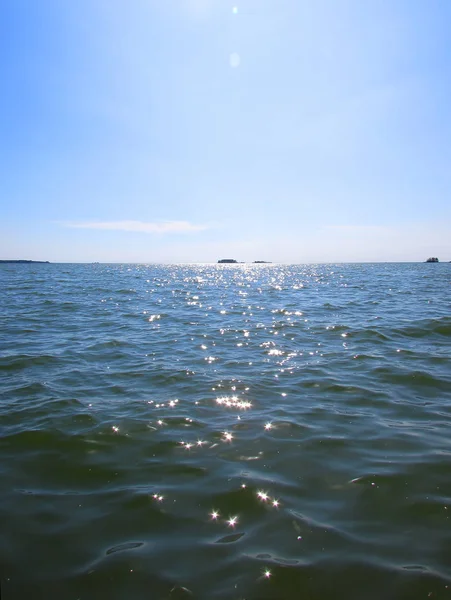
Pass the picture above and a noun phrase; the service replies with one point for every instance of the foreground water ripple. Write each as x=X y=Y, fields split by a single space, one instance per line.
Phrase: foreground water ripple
x=225 y=431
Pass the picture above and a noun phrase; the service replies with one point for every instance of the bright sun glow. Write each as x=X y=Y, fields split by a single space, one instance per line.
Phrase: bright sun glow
x=234 y=60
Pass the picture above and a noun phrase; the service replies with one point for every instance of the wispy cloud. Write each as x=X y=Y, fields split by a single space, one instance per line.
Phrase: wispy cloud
x=166 y=227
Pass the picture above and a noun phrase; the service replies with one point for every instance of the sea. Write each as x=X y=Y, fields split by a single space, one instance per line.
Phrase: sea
x=225 y=431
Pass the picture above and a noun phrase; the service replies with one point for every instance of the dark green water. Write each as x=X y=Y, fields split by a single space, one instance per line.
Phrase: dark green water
x=225 y=432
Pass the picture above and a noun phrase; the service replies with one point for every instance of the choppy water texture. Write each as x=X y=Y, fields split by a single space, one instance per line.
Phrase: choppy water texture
x=225 y=431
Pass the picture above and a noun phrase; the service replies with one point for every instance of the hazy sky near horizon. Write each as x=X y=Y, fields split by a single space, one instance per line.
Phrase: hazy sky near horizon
x=192 y=130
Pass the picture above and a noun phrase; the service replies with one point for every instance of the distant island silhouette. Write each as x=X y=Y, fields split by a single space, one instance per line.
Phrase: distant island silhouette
x=432 y=259
x=27 y=262
x=233 y=261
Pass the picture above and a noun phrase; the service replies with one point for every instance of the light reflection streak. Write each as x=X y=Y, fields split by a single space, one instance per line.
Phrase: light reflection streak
x=265 y=497
x=233 y=402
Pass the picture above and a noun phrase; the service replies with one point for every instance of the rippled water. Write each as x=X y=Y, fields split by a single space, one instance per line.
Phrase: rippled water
x=225 y=431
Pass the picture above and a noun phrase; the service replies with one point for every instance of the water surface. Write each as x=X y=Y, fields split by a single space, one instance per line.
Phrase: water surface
x=225 y=431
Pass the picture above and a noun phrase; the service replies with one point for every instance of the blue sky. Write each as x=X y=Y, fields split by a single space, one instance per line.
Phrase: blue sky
x=191 y=130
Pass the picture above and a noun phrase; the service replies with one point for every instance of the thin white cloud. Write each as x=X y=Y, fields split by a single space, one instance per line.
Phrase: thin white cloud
x=140 y=226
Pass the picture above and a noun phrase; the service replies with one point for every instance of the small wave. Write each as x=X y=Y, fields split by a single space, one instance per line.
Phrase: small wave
x=426 y=328
x=124 y=547
x=412 y=379
x=26 y=361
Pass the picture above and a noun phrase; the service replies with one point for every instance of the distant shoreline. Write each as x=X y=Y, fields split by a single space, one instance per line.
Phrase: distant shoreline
x=42 y=262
